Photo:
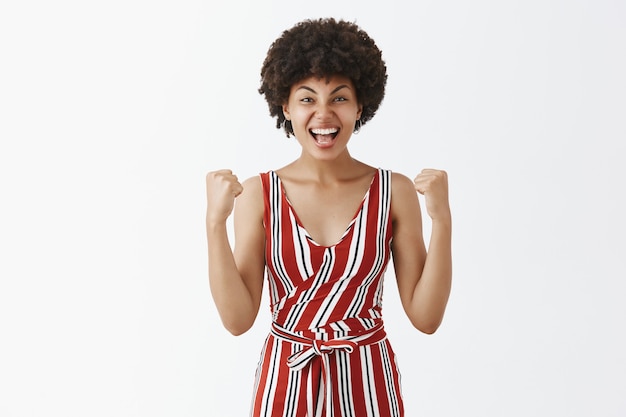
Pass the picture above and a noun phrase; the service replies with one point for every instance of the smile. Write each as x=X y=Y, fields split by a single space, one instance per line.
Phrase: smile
x=324 y=136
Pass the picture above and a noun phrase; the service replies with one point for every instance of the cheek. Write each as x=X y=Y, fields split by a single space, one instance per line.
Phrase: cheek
x=300 y=116
x=350 y=114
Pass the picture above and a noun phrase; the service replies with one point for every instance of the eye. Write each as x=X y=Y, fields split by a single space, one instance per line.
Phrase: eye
x=340 y=98
x=306 y=100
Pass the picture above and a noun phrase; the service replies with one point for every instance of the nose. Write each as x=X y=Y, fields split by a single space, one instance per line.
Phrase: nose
x=323 y=111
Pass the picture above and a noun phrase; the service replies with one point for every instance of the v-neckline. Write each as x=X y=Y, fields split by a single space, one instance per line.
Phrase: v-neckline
x=347 y=229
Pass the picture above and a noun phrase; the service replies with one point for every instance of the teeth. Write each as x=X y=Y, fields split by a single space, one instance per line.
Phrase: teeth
x=324 y=131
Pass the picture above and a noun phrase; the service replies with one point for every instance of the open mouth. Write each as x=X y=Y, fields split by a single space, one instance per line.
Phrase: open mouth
x=324 y=136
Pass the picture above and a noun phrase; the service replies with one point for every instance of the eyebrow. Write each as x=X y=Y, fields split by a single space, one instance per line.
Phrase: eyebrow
x=304 y=87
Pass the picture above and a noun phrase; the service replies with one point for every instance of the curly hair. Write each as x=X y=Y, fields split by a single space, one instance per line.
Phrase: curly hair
x=323 y=48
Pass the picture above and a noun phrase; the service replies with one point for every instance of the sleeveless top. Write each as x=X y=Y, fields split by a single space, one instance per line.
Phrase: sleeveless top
x=327 y=353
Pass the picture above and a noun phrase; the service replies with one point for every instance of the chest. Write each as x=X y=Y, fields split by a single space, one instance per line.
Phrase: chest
x=326 y=212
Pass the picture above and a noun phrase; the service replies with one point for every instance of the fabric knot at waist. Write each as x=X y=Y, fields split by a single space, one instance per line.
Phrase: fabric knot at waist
x=318 y=347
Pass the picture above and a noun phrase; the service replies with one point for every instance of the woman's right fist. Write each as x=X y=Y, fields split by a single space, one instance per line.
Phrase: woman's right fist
x=222 y=187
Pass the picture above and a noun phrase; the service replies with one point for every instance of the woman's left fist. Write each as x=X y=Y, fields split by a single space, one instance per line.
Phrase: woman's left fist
x=433 y=185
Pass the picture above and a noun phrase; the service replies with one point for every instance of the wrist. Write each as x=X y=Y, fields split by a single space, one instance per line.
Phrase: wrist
x=215 y=224
x=444 y=220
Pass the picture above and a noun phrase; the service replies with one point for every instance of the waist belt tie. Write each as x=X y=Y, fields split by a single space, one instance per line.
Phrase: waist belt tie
x=323 y=348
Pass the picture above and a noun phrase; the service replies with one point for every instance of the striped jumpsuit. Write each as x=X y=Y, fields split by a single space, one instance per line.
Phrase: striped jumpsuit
x=327 y=354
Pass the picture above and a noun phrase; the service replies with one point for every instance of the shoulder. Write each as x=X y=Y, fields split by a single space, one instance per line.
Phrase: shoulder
x=254 y=184
x=403 y=195
x=401 y=186
x=250 y=201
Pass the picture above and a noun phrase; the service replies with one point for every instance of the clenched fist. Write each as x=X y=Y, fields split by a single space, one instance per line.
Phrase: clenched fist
x=433 y=185
x=222 y=187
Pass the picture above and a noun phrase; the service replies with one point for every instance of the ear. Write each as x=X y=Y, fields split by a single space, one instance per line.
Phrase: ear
x=286 y=112
x=359 y=111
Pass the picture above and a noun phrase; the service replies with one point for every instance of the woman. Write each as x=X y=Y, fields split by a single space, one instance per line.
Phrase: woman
x=323 y=229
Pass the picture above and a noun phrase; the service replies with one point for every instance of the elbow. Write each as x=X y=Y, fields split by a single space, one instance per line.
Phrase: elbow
x=428 y=329
x=427 y=326
x=236 y=322
x=236 y=330
x=428 y=318
x=237 y=327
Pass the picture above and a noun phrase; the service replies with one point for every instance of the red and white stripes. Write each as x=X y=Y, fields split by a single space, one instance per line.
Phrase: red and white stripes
x=327 y=354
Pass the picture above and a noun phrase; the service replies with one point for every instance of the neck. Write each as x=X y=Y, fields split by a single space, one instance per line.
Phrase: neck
x=328 y=171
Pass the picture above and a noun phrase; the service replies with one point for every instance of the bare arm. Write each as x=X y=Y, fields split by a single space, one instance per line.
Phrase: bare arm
x=235 y=278
x=424 y=278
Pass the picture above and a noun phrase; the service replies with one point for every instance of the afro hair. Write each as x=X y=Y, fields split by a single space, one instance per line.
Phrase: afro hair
x=323 y=48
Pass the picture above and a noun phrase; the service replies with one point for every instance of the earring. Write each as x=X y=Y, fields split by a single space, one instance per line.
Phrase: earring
x=357 y=126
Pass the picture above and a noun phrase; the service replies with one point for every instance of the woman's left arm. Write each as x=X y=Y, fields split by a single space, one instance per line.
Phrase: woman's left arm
x=424 y=277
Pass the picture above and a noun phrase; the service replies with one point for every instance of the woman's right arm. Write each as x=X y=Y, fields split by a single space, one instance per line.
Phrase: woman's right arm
x=235 y=277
